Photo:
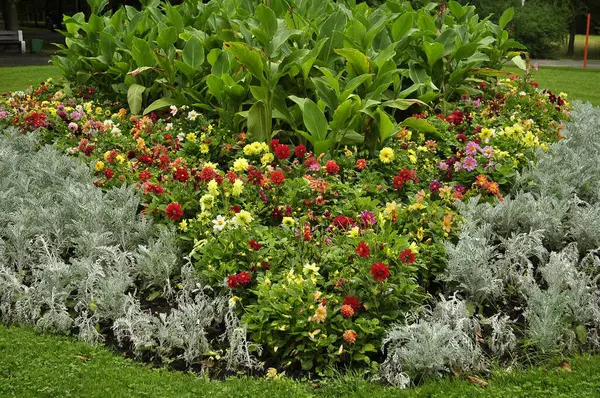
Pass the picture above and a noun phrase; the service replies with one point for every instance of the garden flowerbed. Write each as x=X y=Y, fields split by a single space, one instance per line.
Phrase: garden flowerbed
x=186 y=241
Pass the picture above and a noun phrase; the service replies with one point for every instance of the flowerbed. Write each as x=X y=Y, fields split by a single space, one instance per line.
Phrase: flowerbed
x=320 y=254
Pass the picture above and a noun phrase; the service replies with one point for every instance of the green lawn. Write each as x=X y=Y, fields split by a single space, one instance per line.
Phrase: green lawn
x=593 y=48
x=582 y=84
x=34 y=365
x=21 y=77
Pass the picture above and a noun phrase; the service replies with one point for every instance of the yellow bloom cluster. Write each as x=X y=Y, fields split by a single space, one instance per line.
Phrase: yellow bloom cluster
x=256 y=148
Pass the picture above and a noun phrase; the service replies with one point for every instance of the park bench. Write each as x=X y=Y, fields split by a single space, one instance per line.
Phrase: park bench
x=8 y=37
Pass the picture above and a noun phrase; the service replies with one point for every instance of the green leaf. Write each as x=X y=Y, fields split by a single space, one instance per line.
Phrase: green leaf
x=315 y=120
x=506 y=17
x=421 y=125
x=160 y=104
x=259 y=126
x=402 y=26
x=385 y=125
x=167 y=37
x=248 y=57
x=434 y=52
x=402 y=104
x=142 y=53
x=193 y=53
x=517 y=60
x=134 y=98
x=341 y=115
x=357 y=60
x=456 y=9
x=268 y=20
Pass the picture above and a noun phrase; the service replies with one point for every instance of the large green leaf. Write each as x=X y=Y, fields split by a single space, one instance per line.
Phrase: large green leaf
x=142 y=53
x=134 y=98
x=506 y=17
x=259 y=125
x=402 y=26
x=248 y=57
x=268 y=20
x=166 y=37
x=341 y=115
x=358 y=61
x=385 y=125
x=193 y=53
x=314 y=120
x=517 y=60
x=434 y=52
x=421 y=125
x=160 y=104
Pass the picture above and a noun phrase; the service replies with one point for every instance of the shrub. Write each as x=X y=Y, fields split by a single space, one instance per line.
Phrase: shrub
x=73 y=257
x=271 y=66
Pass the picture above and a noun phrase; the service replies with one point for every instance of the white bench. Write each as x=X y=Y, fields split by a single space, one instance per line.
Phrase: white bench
x=8 y=37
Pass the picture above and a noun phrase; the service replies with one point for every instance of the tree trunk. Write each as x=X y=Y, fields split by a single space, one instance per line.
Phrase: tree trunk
x=9 y=10
x=571 y=48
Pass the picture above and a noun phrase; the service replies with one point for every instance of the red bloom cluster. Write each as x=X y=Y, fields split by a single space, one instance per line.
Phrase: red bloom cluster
x=363 y=249
x=174 y=211
x=300 y=151
x=35 y=120
x=241 y=278
x=277 y=177
x=407 y=256
x=282 y=151
x=403 y=177
x=456 y=117
x=342 y=222
x=254 y=244
x=144 y=175
x=207 y=174
x=352 y=302
x=332 y=167
x=380 y=271
x=181 y=174
x=108 y=173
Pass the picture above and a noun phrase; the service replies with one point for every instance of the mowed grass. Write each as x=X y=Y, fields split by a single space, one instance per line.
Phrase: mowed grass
x=593 y=48
x=582 y=84
x=21 y=77
x=39 y=365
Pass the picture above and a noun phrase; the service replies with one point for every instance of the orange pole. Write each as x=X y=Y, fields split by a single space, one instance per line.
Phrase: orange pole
x=587 y=38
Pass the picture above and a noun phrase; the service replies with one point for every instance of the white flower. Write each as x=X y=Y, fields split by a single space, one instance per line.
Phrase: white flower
x=192 y=115
x=180 y=137
x=169 y=127
x=219 y=223
x=173 y=110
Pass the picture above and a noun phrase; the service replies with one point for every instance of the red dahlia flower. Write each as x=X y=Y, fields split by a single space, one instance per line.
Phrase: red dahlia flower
x=282 y=151
x=300 y=151
x=332 y=167
x=108 y=173
x=352 y=302
x=207 y=174
x=407 y=256
x=244 y=278
x=232 y=281
x=277 y=177
x=342 y=222
x=144 y=175
x=174 y=211
x=182 y=174
x=380 y=271
x=350 y=336
x=254 y=244
x=361 y=164
x=363 y=249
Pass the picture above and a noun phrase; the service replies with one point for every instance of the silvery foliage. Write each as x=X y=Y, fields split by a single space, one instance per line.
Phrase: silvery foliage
x=432 y=344
x=540 y=245
x=72 y=255
x=532 y=242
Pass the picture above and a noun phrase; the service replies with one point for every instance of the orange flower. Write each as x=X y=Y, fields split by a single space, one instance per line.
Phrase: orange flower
x=347 y=311
x=350 y=336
